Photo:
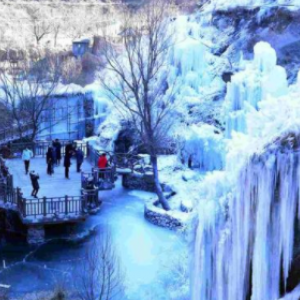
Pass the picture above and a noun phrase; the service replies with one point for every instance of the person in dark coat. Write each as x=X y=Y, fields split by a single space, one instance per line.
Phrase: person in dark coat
x=67 y=160
x=79 y=159
x=57 y=149
x=50 y=160
x=34 y=177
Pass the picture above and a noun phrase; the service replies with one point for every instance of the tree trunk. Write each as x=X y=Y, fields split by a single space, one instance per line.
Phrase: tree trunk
x=162 y=199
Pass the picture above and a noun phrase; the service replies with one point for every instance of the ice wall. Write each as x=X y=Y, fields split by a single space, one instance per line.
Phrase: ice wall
x=204 y=146
x=245 y=239
x=260 y=79
x=241 y=255
x=189 y=61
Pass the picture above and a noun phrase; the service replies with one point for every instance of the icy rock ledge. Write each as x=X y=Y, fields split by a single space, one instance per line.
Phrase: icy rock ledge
x=168 y=219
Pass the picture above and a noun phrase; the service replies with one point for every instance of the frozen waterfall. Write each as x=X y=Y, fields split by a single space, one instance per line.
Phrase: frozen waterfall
x=260 y=79
x=248 y=251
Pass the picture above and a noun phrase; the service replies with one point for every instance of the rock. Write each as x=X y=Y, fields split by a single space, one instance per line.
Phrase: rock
x=160 y=217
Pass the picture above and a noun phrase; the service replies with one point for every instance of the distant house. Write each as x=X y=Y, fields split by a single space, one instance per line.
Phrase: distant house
x=73 y=114
x=80 y=47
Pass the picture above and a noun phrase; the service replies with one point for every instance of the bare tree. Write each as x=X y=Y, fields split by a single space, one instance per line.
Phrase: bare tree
x=56 y=28
x=101 y=277
x=136 y=79
x=26 y=86
x=39 y=27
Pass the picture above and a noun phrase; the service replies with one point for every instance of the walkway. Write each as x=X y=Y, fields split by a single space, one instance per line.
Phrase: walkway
x=50 y=186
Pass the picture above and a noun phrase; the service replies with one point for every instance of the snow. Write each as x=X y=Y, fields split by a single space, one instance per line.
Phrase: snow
x=226 y=5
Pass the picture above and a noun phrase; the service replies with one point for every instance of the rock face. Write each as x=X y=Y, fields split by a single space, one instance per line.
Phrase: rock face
x=239 y=29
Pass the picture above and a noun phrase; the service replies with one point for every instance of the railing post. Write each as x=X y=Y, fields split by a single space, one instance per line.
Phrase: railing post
x=24 y=206
x=18 y=198
x=21 y=202
x=4 y=190
x=66 y=204
x=83 y=202
x=45 y=206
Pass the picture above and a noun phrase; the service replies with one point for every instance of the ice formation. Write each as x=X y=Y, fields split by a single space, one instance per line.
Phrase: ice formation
x=260 y=79
x=245 y=234
x=204 y=146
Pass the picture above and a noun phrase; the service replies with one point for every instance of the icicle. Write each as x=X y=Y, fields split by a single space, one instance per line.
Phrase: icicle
x=244 y=253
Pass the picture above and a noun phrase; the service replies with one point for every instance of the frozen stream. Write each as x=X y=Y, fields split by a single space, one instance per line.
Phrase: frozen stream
x=145 y=249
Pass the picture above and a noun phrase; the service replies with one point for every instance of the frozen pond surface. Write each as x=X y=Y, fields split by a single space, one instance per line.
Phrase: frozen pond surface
x=144 y=249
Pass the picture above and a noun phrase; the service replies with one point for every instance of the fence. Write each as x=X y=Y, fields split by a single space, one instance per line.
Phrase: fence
x=12 y=133
x=130 y=161
x=39 y=148
x=54 y=207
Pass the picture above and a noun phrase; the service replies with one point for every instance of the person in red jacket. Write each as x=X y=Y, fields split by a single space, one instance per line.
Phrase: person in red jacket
x=102 y=164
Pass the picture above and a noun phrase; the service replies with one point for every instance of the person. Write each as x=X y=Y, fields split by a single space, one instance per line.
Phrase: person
x=79 y=159
x=35 y=183
x=67 y=161
x=57 y=149
x=102 y=161
x=102 y=164
x=50 y=160
x=26 y=156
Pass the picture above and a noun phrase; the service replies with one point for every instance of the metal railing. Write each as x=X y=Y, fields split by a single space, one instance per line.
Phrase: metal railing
x=131 y=161
x=39 y=148
x=103 y=179
x=51 y=207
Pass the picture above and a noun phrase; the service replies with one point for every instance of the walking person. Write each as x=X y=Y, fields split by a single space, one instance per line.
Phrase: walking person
x=57 y=149
x=35 y=183
x=67 y=162
x=50 y=161
x=26 y=157
x=79 y=159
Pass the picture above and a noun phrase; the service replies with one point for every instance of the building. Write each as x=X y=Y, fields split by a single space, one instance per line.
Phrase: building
x=80 y=47
x=71 y=116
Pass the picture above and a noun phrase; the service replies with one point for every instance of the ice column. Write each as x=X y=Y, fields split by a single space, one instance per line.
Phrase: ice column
x=248 y=253
x=260 y=79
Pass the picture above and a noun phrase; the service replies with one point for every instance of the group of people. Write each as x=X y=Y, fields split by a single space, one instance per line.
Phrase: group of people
x=53 y=158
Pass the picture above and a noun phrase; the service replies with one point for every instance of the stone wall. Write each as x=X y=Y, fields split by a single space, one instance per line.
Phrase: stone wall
x=11 y=227
x=136 y=181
